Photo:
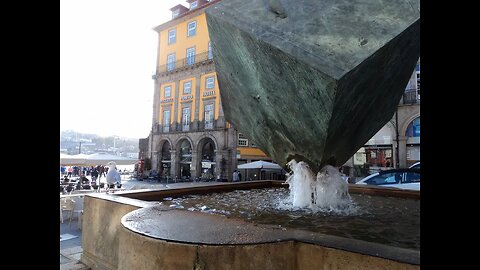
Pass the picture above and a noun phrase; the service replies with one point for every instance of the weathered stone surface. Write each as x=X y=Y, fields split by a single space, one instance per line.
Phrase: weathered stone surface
x=313 y=80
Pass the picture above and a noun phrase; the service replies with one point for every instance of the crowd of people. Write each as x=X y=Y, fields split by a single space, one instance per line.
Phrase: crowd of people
x=96 y=172
x=75 y=178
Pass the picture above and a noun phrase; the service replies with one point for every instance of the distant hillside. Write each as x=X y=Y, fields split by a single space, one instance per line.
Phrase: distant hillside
x=72 y=142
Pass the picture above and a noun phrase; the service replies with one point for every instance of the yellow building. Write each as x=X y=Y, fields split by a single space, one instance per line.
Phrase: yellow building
x=190 y=137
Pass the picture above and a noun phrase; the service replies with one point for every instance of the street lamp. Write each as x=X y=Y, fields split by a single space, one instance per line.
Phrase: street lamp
x=397 y=155
x=114 y=148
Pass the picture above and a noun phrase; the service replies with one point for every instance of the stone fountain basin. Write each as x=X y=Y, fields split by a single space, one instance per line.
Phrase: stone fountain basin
x=155 y=237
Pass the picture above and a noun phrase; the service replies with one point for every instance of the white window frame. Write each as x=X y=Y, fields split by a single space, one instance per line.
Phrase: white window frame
x=192 y=27
x=166 y=121
x=169 y=93
x=189 y=84
x=175 y=13
x=242 y=140
x=193 y=5
x=209 y=115
x=172 y=36
x=171 y=62
x=190 y=59
x=186 y=118
x=210 y=82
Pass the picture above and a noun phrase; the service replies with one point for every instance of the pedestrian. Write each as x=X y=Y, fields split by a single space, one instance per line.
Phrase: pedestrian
x=239 y=176
x=235 y=176
x=387 y=164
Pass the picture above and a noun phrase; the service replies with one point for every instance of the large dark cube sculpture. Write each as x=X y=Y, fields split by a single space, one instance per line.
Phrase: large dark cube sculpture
x=313 y=79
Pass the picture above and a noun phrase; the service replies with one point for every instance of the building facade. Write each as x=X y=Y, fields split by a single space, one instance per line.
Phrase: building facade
x=190 y=137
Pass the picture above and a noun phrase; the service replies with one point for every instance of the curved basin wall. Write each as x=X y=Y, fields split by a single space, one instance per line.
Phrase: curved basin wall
x=107 y=244
x=141 y=252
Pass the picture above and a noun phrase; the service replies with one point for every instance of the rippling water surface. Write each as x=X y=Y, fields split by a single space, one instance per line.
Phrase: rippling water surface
x=386 y=220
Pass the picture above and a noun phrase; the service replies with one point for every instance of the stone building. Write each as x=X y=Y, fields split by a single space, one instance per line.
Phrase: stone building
x=190 y=137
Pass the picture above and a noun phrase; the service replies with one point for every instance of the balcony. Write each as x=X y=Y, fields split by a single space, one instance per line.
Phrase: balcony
x=411 y=96
x=191 y=61
x=190 y=127
x=166 y=128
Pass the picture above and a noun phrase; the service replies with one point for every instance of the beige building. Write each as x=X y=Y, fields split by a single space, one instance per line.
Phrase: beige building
x=190 y=137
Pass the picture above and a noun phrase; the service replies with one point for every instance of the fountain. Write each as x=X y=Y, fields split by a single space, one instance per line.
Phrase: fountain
x=310 y=82
x=326 y=191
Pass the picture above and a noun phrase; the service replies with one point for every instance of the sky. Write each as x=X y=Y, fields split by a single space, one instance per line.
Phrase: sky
x=107 y=59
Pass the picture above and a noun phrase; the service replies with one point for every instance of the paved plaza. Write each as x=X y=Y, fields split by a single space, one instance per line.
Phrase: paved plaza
x=71 y=234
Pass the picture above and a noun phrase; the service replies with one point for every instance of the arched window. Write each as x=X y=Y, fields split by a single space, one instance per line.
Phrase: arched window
x=185 y=151
x=208 y=151
x=166 y=151
x=413 y=129
x=413 y=141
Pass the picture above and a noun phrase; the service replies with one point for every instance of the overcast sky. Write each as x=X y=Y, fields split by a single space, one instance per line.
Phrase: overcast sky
x=107 y=58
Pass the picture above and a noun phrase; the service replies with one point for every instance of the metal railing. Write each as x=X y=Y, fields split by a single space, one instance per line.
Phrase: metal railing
x=411 y=96
x=180 y=127
x=208 y=124
x=166 y=128
x=185 y=62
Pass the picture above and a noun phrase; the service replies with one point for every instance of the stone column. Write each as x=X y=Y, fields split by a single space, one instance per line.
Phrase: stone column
x=156 y=102
x=196 y=113
x=194 y=165
x=154 y=159
x=221 y=116
x=176 y=107
x=219 y=155
x=174 y=166
x=402 y=151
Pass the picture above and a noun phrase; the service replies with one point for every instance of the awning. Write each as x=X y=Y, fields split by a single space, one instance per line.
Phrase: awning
x=259 y=165
x=250 y=153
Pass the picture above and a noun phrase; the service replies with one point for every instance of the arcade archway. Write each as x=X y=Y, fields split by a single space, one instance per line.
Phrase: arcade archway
x=207 y=159
x=185 y=155
x=165 y=160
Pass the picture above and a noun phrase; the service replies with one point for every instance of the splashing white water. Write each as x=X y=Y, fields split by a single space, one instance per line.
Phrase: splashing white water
x=325 y=192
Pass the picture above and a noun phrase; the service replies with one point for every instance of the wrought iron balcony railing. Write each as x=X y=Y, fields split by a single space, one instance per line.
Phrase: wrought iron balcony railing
x=191 y=126
x=411 y=96
x=185 y=62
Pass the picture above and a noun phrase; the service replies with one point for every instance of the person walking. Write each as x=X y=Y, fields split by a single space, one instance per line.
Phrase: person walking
x=235 y=176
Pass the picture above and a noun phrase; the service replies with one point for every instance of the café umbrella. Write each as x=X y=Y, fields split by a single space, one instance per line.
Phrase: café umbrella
x=259 y=165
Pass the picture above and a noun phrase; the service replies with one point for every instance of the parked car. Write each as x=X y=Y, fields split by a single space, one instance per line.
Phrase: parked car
x=415 y=165
x=398 y=178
